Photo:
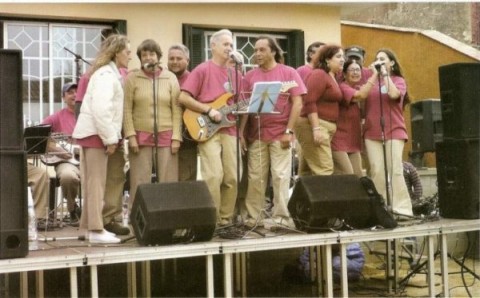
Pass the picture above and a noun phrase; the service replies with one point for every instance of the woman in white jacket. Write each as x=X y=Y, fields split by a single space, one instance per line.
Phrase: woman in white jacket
x=98 y=132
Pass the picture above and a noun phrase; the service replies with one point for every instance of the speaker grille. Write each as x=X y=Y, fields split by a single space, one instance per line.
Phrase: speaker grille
x=317 y=200
x=166 y=213
x=11 y=108
x=13 y=205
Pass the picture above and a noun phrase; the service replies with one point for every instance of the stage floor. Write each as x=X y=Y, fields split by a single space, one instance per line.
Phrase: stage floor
x=181 y=270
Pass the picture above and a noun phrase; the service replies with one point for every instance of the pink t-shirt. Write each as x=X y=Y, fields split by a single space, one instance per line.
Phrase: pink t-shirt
x=323 y=96
x=208 y=81
x=62 y=121
x=348 y=137
x=183 y=78
x=392 y=113
x=273 y=126
x=304 y=71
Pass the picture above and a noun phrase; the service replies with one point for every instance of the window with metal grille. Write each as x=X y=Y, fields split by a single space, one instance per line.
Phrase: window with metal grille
x=53 y=54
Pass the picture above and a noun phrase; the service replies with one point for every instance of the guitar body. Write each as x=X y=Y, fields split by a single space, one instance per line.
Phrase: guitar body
x=201 y=127
x=53 y=160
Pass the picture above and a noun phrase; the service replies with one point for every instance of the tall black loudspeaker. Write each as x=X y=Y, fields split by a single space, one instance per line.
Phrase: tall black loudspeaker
x=316 y=200
x=11 y=109
x=460 y=94
x=167 y=213
x=13 y=205
x=458 y=166
x=426 y=116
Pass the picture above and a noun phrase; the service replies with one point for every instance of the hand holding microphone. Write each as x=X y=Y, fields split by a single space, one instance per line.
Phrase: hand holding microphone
x=380 y=67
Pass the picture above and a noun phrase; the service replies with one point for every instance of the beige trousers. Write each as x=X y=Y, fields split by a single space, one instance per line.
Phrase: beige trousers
x=318 y=158
x=401 y=202
x=141 y=164
x=218 y=157
x=262 y=158
x=102 y=186
x=39 y=181
x=347 y=163
x=69 y=177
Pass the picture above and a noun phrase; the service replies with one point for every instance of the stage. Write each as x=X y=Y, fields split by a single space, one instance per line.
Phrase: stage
x=63 y=249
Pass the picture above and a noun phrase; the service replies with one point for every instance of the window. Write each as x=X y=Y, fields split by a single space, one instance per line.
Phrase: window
x=198 y=41
x=53 y=54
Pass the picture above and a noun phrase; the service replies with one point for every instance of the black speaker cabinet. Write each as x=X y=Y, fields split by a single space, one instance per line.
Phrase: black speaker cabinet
x=167 y=213
x=11 y=105
x=426 y=117
x=458 y=163
x=13 y=205
x=460 y=94
x=316 y=200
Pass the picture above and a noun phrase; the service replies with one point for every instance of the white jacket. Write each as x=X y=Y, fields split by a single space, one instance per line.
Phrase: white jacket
x=102 y=107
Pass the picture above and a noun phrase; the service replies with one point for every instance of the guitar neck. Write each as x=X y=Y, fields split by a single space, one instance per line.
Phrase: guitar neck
x=237 y=106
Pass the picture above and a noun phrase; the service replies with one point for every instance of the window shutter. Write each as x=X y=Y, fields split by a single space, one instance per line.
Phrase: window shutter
x=120 y=27
x=193 y=39
x=296 y=49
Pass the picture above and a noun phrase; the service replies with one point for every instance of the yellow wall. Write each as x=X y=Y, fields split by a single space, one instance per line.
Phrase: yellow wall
x=163 y=22
x=419 y=56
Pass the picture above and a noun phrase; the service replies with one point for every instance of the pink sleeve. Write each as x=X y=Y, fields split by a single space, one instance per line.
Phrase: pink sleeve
x=316 y=86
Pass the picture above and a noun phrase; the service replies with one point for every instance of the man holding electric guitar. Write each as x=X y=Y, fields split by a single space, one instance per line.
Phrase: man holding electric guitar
x=208 y=92
x=269 y=136
x=66 y=166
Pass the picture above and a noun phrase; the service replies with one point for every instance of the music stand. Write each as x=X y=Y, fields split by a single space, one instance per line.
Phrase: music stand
x=36 y=138
x=263 y=98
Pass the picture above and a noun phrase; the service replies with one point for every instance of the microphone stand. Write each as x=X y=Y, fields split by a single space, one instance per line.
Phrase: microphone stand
x=155 y=131
x=77 y=62
x=389 y=199
x=237 y=118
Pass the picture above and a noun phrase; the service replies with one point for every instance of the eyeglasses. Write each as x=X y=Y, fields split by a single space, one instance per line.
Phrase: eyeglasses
x=354 y=70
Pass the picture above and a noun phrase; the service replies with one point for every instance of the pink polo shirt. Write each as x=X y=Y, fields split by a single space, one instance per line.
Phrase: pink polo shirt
x=62 y=121
x=392 y=112
x=273 y=126
x=208 y=81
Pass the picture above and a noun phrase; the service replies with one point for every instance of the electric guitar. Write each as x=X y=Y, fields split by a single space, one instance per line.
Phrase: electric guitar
x=66 y=148
x=202 y=128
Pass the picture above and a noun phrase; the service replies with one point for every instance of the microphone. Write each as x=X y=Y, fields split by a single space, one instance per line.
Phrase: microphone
x=150 y=65
x=378 y=65
x=237 y=57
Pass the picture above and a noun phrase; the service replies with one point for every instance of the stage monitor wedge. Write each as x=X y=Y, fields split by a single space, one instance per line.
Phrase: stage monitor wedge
x=173 y=212
x=317 y=200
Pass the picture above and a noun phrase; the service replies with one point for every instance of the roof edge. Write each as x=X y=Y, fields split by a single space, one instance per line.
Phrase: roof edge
x=442 y=38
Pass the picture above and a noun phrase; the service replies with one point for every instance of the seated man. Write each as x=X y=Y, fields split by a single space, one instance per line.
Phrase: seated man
x=67 y=170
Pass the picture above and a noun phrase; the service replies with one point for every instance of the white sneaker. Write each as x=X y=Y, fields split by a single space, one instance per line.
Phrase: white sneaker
x=102 y=237
x=87 y=234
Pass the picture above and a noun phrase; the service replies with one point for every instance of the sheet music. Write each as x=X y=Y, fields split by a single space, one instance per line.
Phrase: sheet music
x=264 y=97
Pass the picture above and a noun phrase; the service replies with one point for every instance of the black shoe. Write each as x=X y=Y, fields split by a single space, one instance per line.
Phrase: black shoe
x=74 y=218
x=117 y=229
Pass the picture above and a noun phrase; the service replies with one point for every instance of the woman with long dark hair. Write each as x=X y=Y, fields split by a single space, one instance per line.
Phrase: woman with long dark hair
x=384 y=120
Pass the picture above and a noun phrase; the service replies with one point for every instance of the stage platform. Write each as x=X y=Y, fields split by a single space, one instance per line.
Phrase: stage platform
x=62 y=249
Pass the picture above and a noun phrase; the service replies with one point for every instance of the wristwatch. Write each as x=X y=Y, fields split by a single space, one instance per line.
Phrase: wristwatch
x=288 y=131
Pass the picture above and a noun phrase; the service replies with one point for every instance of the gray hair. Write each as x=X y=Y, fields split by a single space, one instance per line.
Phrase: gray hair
x=182 y=48
x=216 y=36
